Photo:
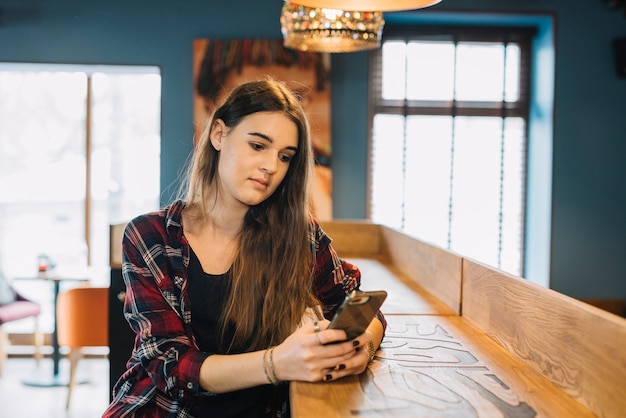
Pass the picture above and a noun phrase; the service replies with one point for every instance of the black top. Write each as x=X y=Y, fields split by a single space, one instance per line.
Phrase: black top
x=208 y=293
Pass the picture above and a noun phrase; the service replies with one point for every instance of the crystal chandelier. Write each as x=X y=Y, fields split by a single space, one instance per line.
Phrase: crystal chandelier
x=378 y=5
x=319 y=29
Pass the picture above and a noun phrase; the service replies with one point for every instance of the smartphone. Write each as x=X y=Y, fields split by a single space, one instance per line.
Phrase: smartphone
x=357 y=311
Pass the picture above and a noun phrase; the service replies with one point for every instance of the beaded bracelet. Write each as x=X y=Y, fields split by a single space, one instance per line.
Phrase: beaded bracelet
x=372 y=351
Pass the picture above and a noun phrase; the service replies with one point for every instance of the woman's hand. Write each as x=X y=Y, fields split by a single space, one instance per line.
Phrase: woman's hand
x=314 y=353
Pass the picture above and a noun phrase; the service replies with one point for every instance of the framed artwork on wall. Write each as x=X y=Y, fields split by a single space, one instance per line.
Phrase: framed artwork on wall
x=220 y=65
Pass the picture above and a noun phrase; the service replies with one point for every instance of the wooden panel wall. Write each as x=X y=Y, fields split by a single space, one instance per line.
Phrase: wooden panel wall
x=404 y=296
x=560 y=356
x=578 y=347
x=434 y=269
x=354 y=238
x=437 y=367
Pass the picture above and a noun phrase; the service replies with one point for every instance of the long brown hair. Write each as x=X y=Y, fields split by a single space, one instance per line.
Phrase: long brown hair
x=271 y=276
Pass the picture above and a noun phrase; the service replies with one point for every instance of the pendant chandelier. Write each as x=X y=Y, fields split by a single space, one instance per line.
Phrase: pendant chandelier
x=377 y=5
x=321 y=29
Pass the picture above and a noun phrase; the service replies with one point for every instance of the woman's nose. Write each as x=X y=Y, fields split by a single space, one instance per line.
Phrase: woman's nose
x=269 y=164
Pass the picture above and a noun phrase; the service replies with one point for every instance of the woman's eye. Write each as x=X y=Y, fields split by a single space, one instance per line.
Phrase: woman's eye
x=256 y=146
x=286 y=157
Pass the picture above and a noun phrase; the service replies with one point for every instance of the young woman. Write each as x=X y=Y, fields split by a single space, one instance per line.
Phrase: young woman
x=228 y=289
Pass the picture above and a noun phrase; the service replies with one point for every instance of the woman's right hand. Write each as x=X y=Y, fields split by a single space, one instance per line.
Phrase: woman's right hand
x=308 y=354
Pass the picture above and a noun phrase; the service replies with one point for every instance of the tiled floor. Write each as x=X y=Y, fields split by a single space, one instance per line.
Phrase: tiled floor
x=18 y=400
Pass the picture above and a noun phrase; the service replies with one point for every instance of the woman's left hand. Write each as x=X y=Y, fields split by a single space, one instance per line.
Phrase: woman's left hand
x=358 y=363
x=314 y=353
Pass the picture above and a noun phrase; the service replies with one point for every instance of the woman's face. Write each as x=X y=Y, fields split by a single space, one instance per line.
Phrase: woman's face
x=254 y=156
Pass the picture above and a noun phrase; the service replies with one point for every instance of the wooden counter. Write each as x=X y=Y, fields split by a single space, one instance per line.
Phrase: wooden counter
x=467 y=340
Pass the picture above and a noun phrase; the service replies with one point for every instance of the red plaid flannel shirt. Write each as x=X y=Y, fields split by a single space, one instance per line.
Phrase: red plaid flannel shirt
x=165 y=364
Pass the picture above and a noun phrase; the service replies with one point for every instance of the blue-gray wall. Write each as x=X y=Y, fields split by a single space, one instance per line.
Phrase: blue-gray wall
x=587 y=244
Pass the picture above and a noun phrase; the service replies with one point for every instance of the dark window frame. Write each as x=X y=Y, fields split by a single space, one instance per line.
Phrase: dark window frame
x=522 y=36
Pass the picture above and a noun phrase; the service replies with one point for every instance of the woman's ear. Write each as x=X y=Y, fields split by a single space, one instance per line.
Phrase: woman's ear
x=217 y=132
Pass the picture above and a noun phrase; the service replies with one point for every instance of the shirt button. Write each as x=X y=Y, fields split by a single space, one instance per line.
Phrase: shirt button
x=189 y=385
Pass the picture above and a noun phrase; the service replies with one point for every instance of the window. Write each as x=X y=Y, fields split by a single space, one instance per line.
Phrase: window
x=79 y=150
x=448 y=147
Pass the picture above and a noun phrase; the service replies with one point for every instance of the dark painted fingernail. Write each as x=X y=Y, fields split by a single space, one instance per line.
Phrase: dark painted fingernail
x=355 y=343
x=341 y=367
x=328 y=377
x=358 y=349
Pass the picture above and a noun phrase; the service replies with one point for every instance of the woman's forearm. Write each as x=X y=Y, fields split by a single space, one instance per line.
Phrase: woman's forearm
x=226 y=373
x=300 y=358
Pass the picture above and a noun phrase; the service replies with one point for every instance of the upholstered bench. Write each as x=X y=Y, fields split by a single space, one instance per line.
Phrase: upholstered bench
x=13 y=307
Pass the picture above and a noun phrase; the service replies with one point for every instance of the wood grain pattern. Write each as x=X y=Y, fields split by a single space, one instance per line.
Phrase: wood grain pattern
x=354 y=238
x=518 y=350
x=404 y=296
x=432 y=268
x=580 y=348
x=434 y=271
x=437 y=366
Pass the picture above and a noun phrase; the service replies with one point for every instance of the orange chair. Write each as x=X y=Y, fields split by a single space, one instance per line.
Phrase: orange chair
x=82 y=321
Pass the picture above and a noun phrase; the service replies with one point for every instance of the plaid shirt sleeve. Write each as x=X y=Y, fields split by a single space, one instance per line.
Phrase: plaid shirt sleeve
x=334 y=278
x=165 y=356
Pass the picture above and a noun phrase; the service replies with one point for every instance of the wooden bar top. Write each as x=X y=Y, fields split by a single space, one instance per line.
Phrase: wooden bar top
x=437 y=366
x=403 y=295
x=468 y=340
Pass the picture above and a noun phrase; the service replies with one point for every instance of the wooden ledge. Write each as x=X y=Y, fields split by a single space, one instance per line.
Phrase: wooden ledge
x=427 y=266
x=404 y=296
x=465 y=339
x=437 y=366
x=577 y=346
